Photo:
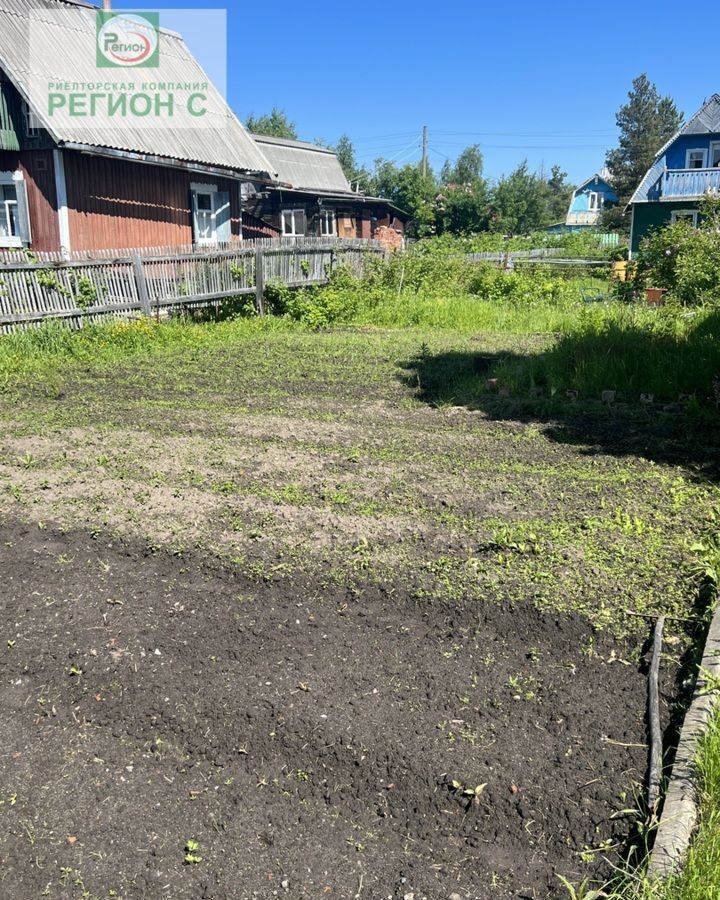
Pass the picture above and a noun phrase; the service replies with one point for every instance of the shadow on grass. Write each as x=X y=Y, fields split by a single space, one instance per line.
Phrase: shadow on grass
x=525 y=388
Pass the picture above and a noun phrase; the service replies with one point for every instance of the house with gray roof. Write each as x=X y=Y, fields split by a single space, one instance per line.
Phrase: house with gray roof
x=312 y=195
x=111 y=134
x=684 y=171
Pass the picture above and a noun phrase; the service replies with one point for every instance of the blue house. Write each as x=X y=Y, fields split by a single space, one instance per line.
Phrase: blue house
x=589 y=200
x=684 y=170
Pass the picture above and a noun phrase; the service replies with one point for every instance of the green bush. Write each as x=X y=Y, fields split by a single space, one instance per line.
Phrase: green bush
x=684 y=260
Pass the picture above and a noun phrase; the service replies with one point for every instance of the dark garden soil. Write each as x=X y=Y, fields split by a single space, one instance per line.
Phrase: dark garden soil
x=314 y=742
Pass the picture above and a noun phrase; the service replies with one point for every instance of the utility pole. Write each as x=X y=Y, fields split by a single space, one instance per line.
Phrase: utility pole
x=424 y=151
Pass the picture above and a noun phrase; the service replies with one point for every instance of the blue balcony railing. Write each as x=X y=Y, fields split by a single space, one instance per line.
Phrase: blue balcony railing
x=680 y=184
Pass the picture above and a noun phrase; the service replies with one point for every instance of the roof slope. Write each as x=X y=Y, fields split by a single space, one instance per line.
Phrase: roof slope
x=705 y=121
x=603 y=176
x=29 y=57
x=302 y=165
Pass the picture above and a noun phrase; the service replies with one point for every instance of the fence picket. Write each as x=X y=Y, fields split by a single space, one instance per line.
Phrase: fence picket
x=122 y=283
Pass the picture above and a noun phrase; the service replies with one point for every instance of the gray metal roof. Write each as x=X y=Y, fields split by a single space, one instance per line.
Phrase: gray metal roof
x=705 y=121
x=30 y=59
x=302 y=165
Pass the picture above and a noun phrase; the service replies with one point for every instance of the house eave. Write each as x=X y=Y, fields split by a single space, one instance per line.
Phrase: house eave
x=167 y=162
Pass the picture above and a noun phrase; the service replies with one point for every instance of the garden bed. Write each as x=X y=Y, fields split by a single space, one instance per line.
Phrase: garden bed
x=259 y=594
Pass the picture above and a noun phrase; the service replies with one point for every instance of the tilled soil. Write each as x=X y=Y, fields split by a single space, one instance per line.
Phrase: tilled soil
x=314 y=741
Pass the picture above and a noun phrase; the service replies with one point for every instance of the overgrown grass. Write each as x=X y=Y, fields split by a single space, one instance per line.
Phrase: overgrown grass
x=38 y=352
x=632 y=350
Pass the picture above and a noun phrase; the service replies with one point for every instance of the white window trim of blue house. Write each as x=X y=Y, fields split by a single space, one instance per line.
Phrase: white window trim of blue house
x=684 y=214
x=689 y=153
x=714 y=152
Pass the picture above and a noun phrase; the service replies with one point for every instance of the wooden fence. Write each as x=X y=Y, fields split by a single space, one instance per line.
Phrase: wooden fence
x=128 y=283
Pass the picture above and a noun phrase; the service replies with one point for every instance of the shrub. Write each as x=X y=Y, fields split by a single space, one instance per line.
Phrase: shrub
x=684 y=260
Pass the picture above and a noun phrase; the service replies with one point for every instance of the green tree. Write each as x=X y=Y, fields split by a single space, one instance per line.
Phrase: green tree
x=462 y=205
x=557 y=196
x=410 y=190
x=645 y=122
x=468 y=167
x=275 y=123
x=345 y=153
x=518 y=202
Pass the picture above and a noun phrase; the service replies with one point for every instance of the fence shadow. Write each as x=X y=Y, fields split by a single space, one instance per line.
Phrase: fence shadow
x=685 y=434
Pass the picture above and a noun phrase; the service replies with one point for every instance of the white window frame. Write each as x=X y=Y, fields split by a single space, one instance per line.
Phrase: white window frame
x=32 y=123
x=205 y=189
x=683 y=214
x=294 y=213
x=696 y=150
x=9 y=179
x=713 y=144
x=328 y=216
x=596 y=201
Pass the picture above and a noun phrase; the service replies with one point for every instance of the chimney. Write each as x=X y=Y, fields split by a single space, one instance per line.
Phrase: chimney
x=107 y=5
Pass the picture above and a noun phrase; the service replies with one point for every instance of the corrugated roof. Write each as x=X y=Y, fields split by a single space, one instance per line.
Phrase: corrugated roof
x=221 y=141
x=302 y=165
x=705 y=121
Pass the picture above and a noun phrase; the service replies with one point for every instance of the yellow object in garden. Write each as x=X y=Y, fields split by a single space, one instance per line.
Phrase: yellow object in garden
x=619 y=270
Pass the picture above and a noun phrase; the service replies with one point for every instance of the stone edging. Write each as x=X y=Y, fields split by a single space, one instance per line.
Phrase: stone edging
x=680 y=810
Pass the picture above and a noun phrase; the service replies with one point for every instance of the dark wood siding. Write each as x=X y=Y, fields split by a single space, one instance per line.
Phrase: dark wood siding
x=116 y=204
x=355 y=218
x=39 y=175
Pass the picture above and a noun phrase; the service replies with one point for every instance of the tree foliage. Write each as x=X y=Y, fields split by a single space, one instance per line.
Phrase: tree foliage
x=275 y=123
x=646 y=122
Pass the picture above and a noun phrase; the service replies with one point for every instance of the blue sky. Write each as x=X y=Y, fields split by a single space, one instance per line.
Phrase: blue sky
x=524 y=80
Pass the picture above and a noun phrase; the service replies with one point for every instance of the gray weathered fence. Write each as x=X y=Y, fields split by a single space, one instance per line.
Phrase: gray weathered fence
x=35 y=288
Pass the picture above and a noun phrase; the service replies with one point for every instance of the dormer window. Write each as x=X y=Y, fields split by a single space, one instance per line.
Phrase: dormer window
x=695 y=159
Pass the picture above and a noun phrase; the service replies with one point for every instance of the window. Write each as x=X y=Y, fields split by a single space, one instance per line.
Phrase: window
x=32 y=123
x=211 y=214
x=293 y=222
x=685 y=215
x=328 y=224
x=8 y=213
x=14 y=220
x=595 y=201
x=714 y=154
x=695 y=159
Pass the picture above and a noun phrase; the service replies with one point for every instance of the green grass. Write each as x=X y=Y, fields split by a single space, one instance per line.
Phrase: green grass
x=700 y=879
x=700 y=875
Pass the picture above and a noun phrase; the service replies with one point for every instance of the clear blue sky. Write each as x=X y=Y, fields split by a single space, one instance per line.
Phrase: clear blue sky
x=540 y=81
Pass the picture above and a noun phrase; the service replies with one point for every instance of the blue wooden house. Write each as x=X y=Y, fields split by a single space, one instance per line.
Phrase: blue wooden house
x=587 y=203
x=589 y=200
x=684 y=170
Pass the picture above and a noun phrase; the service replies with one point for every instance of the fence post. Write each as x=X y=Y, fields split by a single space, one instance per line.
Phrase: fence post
x=259 y=283
x=141 y=284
